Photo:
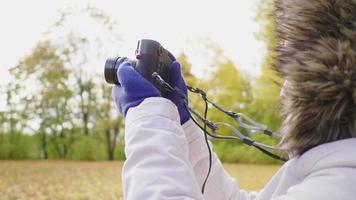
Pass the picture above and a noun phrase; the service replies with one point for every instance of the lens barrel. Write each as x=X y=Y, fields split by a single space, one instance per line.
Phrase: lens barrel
x=110 y=70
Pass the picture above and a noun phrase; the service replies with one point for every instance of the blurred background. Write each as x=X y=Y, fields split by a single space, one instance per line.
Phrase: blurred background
x=56 y=109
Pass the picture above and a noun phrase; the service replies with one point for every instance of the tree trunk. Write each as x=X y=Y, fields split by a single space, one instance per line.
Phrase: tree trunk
x=44 y=144
x=109 y=144
x=84 y=108
x=85 y=122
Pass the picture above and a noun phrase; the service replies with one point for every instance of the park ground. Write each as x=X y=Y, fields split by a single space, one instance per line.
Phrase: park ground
x=70 y=180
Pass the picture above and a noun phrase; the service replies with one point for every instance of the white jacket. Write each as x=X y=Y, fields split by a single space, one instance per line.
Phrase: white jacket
x=168 y=161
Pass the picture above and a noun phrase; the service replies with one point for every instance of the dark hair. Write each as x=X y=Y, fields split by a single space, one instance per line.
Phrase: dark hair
x=317 y=56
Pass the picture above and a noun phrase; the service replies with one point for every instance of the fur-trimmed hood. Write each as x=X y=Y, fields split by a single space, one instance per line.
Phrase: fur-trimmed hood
x=317 y=56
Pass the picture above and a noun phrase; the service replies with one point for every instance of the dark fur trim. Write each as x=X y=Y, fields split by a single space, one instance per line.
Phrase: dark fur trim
x=317 y=55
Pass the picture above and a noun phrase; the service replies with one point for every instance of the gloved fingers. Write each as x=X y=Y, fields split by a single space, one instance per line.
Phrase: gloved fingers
x=129 y=77
x=177 y=78
x=176 y=73
x=176 y=68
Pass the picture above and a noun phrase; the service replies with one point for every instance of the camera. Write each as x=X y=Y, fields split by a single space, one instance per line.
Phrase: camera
x=150 y=57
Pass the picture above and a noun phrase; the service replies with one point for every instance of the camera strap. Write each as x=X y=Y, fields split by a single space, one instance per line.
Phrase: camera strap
x=241 y=120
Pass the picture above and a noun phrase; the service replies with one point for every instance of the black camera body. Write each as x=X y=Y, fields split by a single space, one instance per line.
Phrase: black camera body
x=150 y=57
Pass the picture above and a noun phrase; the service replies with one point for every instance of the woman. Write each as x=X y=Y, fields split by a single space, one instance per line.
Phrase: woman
x=166 y=153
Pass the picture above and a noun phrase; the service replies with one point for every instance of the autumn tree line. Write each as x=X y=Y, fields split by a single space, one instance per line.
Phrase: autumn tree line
x=55 y=108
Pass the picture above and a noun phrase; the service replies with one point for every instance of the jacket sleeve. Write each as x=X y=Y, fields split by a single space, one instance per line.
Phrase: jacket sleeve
x=220 y=184
x=157 y=165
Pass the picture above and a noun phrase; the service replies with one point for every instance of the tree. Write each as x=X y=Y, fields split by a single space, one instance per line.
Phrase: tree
x=191 y=80
x=12 y=124
x=83 y=48
x=225 y=85
x=48 y=104
x=93 y=97
x=267 y=87
x=64 y=102
x=2 y=128
x=109 y=123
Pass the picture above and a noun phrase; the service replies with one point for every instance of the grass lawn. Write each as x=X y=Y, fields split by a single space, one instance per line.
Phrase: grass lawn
x=69 y=180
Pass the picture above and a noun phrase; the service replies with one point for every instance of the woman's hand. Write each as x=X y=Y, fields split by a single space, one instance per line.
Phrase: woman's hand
x=133 y=88
x=178 y=81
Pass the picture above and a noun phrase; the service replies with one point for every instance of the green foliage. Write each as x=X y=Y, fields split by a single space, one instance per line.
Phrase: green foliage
x=233 y=152
x=267 y=87
x=17 y=146
x=87 y=148
x=265 y=107
x=258 y=99
x=230 y=89
x=67 y=102
x=21 y=146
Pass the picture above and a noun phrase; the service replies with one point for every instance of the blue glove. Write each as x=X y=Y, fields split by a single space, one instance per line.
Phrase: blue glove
x=133 y=89
x=178 y=81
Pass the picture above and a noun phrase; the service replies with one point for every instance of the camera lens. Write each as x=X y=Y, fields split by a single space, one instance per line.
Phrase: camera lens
x=110 y=70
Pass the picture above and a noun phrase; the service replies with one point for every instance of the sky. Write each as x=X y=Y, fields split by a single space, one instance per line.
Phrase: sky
x=175 y=24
